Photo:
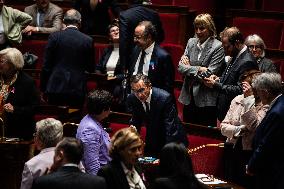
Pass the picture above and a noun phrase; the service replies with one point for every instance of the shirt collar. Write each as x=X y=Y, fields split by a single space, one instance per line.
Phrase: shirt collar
x=71 y=26
x=70 y=165
x=273 y=101
x=47 y=150
x=243 y=50
x=150 y=48
x=149 y=97
x=201 y=46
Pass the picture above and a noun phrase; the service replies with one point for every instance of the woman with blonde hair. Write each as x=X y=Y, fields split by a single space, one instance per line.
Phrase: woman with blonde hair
x=203 y=56
x=122 y=172
x=18 y=94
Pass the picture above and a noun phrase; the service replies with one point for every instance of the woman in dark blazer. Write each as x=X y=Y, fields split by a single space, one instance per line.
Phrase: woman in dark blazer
x=122 y=172
x=176 y=169
x=110 y=64
x=257 y=47
x=18 y=95
x=109 y=61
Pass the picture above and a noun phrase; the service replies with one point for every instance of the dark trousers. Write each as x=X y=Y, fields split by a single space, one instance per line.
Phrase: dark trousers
x=235 y=161
x=200 y=115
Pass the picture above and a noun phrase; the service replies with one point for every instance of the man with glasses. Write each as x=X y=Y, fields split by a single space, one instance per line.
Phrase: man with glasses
x=154 y=108
x=150 y=59
x=228 y=85
x=48 y=133
x=128 y=20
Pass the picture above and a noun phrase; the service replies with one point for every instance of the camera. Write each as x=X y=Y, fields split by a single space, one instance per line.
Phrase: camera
x=203 y=75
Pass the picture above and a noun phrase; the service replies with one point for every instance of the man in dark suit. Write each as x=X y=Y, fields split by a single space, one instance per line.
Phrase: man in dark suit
x=95 y=15
x=129 y=19
x=69 y=53
x=241 y=60
x=150 y=59
x=154 y=108
x=267 y=163
x=68 y=154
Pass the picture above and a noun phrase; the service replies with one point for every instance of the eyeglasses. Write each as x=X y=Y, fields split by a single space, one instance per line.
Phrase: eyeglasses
x=137 y=37
x=114 y=30
x=141 y=90
x=251 y=47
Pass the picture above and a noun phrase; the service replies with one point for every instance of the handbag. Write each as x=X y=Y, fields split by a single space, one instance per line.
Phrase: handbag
x=29 y=59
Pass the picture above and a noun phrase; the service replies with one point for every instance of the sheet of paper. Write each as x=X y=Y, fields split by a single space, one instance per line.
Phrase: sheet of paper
x=206 y=179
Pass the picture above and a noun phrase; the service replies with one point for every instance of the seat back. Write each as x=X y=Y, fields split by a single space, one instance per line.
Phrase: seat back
x=269 y=30
x=36 y=47
x=70 y=129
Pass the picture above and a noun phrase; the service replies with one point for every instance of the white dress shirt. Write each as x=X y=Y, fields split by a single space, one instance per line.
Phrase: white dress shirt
x=147 y=60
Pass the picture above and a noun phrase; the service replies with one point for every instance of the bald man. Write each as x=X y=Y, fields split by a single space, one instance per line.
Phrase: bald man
x=68 y=55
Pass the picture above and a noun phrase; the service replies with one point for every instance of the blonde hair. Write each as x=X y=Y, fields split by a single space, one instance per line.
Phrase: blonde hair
x=206 y=21
x=121 y=139
x=14 y=57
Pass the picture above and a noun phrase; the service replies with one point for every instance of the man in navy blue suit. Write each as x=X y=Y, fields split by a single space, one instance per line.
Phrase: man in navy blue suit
x=128 y=20
x=228 y=86
x=267 y=161
x=68 y=55
x=154 y=108
x=156 y=63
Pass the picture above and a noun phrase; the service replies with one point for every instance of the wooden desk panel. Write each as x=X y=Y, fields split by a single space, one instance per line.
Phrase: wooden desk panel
x=12 y=159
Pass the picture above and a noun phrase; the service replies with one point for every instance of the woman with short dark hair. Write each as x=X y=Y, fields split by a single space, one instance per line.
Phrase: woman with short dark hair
x=91 y=132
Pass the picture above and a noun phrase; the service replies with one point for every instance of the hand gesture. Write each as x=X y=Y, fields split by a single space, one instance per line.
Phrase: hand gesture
x=247 y=89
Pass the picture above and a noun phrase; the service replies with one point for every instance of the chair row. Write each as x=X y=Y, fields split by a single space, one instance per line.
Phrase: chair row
x=269 y=25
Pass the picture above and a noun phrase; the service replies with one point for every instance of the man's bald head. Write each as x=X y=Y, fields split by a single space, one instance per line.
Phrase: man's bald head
x=72 y=17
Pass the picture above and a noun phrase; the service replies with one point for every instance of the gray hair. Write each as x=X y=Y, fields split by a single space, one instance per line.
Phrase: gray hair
x=268 y=81
x=49 y=131
x=72 y=17
x=13 y=56
x=258 y=40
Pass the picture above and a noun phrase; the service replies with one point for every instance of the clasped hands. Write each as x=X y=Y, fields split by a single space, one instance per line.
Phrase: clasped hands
x=207 y=81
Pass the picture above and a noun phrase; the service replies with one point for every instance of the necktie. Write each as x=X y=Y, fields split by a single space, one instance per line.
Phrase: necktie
x=141 y=62
x=41 y=18
x=147 y=108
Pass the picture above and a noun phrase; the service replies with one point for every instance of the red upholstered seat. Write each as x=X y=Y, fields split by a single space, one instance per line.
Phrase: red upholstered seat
x=99 y=49
x=207 y=6
x=282 y=39
x=162 y=2
x=208 y=160
x=176 y=51
x=36 y=47
x=181 y=2
x=171 y=25
x=272 y=5
x=116 y=126
x=270 y=30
